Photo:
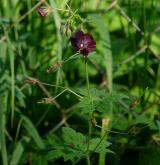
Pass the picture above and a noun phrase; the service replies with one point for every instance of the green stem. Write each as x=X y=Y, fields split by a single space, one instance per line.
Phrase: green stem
x=87 y=77
x=105 y=125
x=89 y=95
x=90 y=115
x=88 y=160
x=71 y=57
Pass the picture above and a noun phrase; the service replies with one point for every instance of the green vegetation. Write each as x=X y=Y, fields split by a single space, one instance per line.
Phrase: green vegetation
x=58 y=106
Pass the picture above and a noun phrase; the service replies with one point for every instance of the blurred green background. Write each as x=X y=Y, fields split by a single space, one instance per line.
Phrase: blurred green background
x=126 y=60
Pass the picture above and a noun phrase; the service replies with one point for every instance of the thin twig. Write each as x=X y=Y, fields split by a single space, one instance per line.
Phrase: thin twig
x=129 y=20
x=139 y=52
x=41 y=86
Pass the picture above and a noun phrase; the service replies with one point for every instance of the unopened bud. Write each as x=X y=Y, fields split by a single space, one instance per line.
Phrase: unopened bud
x=43 y=11
x=54 y=67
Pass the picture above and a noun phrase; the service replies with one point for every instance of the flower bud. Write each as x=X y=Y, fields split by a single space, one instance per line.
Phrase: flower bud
x=43 y=11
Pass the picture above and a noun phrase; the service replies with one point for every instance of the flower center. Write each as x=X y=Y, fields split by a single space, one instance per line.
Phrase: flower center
x=81 y=45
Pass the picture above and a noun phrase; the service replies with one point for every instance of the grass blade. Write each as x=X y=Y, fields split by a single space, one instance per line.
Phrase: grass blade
x=33 y=132
x=59 y=39
x=17 y=153
x=11 y=57
x=3 y=103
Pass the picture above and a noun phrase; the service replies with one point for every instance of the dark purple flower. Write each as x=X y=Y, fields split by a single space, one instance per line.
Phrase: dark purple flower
x=83 y=43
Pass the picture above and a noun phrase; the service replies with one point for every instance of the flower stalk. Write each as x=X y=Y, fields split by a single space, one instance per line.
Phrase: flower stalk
x=90 y=115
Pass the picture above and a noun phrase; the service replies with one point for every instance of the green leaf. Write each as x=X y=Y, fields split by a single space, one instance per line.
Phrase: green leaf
x=86 y=105
x=73 y=148
x=33 y=132
x=142 y=119
x=67 y=151
x=20 y=96
x=121 y=124
x=38 y=159
x=70 y=136
x=89 y=104
x=72 y=155
x=154 y=46
x=3 y=110
x=115 y=96
x=100 y=100
x=109 y=98
x=99 y=146
x=52 y=155
x=12 y=57
x=17 y=153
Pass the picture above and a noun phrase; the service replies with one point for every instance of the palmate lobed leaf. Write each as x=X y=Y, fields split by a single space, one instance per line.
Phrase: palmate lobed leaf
x=98 y=146
x=66 y=151
x=72 y=155
x=52 y=155
x=99 y=100
x=73 y=138
x=75 y=146
x=72 y=148
x=87 y=105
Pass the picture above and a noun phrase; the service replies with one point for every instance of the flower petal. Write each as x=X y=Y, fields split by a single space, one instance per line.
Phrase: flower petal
x=84 y=43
